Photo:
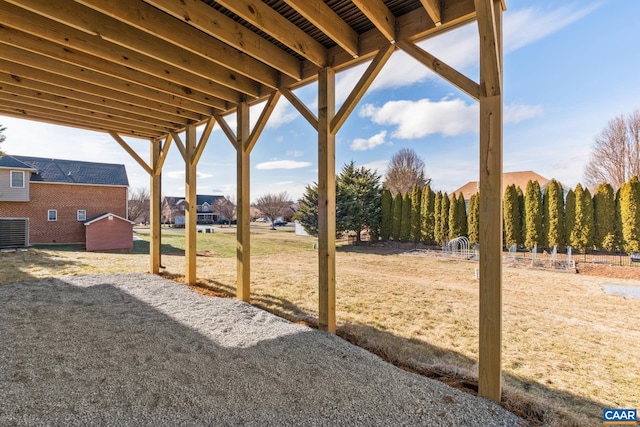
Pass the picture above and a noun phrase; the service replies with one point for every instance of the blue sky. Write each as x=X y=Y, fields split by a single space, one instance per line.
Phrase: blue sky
x=569 y=67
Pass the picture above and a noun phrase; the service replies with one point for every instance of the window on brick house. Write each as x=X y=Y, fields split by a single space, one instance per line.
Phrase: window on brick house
x=53 y=215
x=17 y=179
x=82 y=215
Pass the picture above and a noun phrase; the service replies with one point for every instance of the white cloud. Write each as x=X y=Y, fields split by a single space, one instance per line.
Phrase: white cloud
x=380 y=166
x=282 y=164
x=361 y=144
x=416 y=119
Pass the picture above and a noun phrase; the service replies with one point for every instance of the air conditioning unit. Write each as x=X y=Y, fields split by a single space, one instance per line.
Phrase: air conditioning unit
x=14 y=232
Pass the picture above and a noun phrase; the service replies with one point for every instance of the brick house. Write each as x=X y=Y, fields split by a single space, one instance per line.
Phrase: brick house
x=53 y=198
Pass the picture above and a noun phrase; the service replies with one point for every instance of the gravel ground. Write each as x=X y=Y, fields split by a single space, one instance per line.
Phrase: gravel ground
x=138 y=349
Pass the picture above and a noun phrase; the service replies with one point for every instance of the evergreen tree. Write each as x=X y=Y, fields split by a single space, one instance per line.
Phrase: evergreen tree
x=454 y=227
x=386 y=223
x=604 y=213
x=437 y=221
x=462 y=214
x=512 y=216
x=581 y=236
x=416 y=217
x=630 y=214
x=427 y=215
x=307 y=213
x=618 y=219
x=569 y=215
x=523 y=225
x=397 y=217
x=553 y=216
x=444 y=219
x=533 y=214
x=472 y=219
x=405 y=227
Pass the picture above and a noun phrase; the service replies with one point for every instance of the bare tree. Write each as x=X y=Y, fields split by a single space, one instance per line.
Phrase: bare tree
x=138 y=204
x=405 y=170
x=225 y=207
x=616 y=153
x=273 y=206
x=2 y=138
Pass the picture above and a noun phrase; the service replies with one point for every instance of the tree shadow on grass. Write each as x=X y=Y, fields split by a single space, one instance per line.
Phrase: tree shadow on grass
x=535 y=402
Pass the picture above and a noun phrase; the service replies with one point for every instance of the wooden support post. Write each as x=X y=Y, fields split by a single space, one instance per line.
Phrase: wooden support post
x=243 y=251
x=191 y=215
x=154 y=207
x=490 y=219
x=326 y=201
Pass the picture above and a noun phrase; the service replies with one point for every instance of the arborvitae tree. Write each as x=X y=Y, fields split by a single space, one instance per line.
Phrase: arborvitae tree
x=473 y=211
x=618 y=219
x=405 y=226
x=457 y=217
x=569 y=215
x=427 y=215
x=512 y=216
x=581 y=236
x=553 y=215
x=444 y=215
x=397 y=217
x=416 y=214
x=438 y=231
x=604 y=217
x=386 y=223
x=630 y=214
x=533 y=214
x=523 y=225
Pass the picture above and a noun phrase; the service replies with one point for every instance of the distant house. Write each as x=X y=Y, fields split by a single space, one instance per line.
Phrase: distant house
x=173 y=210
x=520 y=179
x=50 y=199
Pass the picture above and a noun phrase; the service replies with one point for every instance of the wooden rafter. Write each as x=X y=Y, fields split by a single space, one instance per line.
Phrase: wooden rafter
x=193 y=41
x=433 y=9
x=380 y=15
x=278 y=27
x=322 y=16
x=218 y=25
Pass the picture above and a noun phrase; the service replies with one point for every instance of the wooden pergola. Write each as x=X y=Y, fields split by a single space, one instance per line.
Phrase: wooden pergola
x=155 y=69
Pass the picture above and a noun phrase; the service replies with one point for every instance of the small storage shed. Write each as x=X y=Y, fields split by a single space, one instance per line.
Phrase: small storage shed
x=107 y=232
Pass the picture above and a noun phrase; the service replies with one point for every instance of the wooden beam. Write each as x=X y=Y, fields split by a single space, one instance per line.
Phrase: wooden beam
x=191 y=215
x=216 y=24
x=277 y=26
x=227 y=130
x=204 y=138
x=380 y=15
x=16 y=83
x=448 y=73
x=299 y=105
x=42 y=97
x=269 y=106
x=491 y=75
x=21 y=113
x=74 y=64
x=326 y=202
x=361 y=87
x=433 y=9
x=157 y=169
x=326 y=20
x=155 y=206
x=243 y=237
x=490 y=229
x=162 y=26
x=143 y=52
x=132 y=153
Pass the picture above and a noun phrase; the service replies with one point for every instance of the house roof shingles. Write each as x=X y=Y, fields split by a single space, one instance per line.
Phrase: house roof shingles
x=69 y=171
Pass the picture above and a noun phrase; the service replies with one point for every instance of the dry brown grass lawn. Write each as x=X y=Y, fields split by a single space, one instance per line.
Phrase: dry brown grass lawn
x=569 y=349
